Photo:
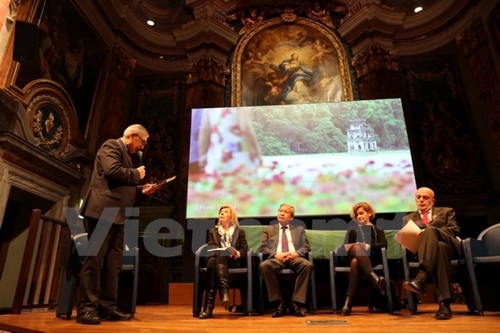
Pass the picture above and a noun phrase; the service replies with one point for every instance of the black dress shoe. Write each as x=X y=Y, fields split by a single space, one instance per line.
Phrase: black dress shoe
x=88 y=318
x=415 y=285
x=444 y=311
x=295 y=310
x=116 y=315
x=280 y=311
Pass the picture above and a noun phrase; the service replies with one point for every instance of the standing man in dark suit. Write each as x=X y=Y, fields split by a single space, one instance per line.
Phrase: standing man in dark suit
x=438 y=245
x=113 y=185
x=285 y=246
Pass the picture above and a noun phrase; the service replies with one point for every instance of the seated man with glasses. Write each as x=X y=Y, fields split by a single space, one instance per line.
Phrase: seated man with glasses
x=437 y=247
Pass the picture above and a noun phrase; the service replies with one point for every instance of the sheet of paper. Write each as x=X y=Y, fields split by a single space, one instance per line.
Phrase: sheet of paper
x=409 y=236
x=348 y=246
x=231 y=250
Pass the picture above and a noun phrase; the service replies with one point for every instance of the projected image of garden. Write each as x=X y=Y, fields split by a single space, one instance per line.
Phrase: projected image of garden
x=321 y=158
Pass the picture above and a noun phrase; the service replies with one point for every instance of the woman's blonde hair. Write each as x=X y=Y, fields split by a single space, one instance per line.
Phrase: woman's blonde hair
x=234 y=215
x=366 y=206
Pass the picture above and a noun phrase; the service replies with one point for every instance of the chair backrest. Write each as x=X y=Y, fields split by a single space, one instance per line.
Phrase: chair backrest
x=321 y=241
x=42 y=263
x=81 y=242
x=324 y=241
x=253 y=234
x=491 y=239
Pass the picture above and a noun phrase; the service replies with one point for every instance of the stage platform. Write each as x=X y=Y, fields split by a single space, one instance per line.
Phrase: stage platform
x=178 y=318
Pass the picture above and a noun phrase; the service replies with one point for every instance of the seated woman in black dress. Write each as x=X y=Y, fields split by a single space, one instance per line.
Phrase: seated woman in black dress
x=228 y=235
x=367 y=240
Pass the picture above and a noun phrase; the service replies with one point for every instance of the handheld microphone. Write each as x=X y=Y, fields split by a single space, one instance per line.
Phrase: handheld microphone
x=139 y=153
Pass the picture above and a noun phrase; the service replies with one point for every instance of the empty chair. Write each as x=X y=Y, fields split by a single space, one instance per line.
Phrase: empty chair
x=485 y=250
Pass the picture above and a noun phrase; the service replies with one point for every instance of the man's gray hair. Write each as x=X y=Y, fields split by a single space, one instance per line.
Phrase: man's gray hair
x=134 y=129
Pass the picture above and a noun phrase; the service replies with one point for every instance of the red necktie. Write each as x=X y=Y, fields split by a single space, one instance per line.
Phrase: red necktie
x=284 y=240
x=425 y=218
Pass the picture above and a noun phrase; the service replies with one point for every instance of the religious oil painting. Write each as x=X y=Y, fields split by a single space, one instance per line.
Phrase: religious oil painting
x=279 y=64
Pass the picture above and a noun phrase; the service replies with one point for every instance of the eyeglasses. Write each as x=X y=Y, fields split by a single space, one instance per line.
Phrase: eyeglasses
x=143 y=142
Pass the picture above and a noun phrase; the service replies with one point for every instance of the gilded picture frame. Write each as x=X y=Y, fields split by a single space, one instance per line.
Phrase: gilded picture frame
x=290 y=63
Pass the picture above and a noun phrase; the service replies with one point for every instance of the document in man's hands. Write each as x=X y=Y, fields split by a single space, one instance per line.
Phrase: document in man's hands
x=161 y=182
x=409 y=236
x=231 y=250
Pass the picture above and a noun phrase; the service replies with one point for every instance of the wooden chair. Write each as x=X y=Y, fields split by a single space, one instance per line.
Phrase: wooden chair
x=41 y=268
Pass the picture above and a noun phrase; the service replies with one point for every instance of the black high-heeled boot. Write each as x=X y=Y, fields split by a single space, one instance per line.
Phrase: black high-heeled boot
x=223 y=285
x=379 y=282
x=208 y=305
x=346 y=310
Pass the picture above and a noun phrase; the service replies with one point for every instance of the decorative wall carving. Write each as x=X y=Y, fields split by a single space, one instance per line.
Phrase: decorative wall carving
x=206 y=69
x=354 y=6
x=159 y=112
x=327 y=13
x=475 y=44
x=47 y=124
x=375 y=58
x=51 y=121
x=445 y=142
x=68 y=54
x=115 y=85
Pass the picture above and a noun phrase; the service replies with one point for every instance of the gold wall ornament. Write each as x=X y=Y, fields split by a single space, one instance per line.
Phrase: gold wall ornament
x=290 y=63
x=318 y=13
x=206 y=69
x=50 y=123
x=375 y=58
x=47 y=129
x=288 y=15
x=249 y=21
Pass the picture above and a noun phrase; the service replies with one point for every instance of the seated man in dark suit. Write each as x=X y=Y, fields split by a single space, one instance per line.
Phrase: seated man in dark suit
x=285 y=246
x=438 y=245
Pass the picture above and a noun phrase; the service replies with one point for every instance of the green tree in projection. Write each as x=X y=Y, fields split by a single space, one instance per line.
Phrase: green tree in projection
x=387 y=120
x=340 y=115
x=268 y=127
x=397 y=125
x=324 y=138
x=301 y=129
x=322 y=128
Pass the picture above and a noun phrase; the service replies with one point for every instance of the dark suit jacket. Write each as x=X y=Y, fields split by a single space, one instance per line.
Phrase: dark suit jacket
x=443 y=218
x=367 y=234
x=114 y=182
x=270 y=240
x=239 y=240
